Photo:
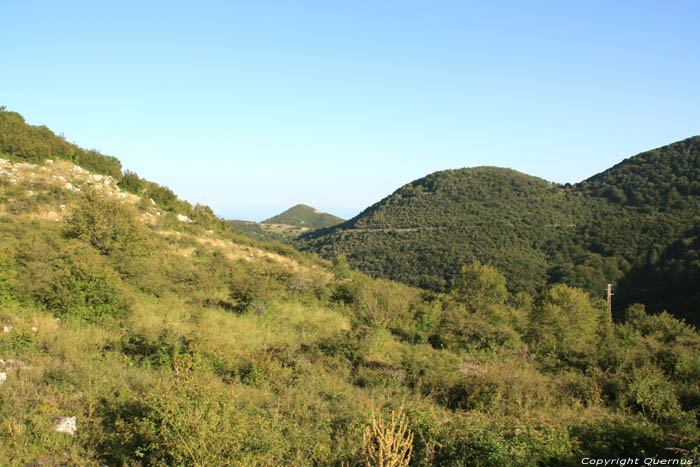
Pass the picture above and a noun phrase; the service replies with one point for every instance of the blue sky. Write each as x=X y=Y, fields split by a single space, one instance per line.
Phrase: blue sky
x=252 y=107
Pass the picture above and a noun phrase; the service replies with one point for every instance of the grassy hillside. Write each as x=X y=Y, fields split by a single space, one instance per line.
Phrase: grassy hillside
x=176 y=344
x=608 y=229
x=35 y=144
x=304 y=216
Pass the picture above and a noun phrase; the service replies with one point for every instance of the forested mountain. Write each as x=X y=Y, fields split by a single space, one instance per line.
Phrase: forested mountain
x=666 y=178
x=135 y=334
x=424 y=232
x=649 y=221
x=610 y=228
x=302 y=215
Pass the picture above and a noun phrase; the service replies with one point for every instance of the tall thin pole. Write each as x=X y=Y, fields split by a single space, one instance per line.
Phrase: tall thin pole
x=610 y=294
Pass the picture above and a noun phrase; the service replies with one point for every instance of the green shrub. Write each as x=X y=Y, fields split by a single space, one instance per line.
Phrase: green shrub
x=162 y=195
x=478 y=440
x=565 y=322
x=652 y=394
x=479 y=285
x=575 y=386
x=484 y=329
x=251 y=286
x=132 y=183
x=204 y=216
x=622 y=436
x=7 y=276
x=108 y=225
x=474 y=393
x=164 y=350
x=77 y=284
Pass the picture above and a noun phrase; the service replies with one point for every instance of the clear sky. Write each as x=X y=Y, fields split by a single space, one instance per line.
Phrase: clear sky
x=252 y=107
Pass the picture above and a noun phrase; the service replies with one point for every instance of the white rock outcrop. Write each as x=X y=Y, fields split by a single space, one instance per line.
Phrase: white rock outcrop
x=65 y=425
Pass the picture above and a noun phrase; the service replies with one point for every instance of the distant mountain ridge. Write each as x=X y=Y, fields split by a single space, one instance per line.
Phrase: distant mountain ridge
x=302 y=215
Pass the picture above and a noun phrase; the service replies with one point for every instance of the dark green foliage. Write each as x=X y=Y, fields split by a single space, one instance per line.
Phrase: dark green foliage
x=635 y=226
x=304 y=216
x=669 y=280
x=163 y=350
x=132 y=183
x=162 y=195
x=661 y=178
x=427 y=230
x=74 y=283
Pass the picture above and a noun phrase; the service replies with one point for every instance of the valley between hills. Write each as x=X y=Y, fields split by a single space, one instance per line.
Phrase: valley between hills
x=461 y=318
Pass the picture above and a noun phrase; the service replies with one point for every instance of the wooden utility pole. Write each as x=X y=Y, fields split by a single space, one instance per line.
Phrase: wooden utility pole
x=610 y=294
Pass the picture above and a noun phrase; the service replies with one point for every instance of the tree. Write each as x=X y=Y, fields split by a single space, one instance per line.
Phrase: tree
x=478 y=285
x=564 y=320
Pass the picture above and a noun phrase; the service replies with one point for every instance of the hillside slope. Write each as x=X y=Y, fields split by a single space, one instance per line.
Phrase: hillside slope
x=132 y=334
x=651 y=215
x=613 y=226
x=425 y=231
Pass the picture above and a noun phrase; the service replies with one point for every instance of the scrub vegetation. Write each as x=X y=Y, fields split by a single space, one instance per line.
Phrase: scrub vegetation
x=179 y=342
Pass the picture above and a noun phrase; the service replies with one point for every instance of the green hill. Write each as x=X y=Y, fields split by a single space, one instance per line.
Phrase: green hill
x=606 y=229
x=164 y=338
x=304 y=216
x=424 y=232
x=650 y=219
x=285 y=227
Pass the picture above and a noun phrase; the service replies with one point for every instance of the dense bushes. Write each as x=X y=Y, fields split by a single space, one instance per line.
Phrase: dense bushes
x=108 y=225
x=268 y=361
x=74 y=282
x=37 y=143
